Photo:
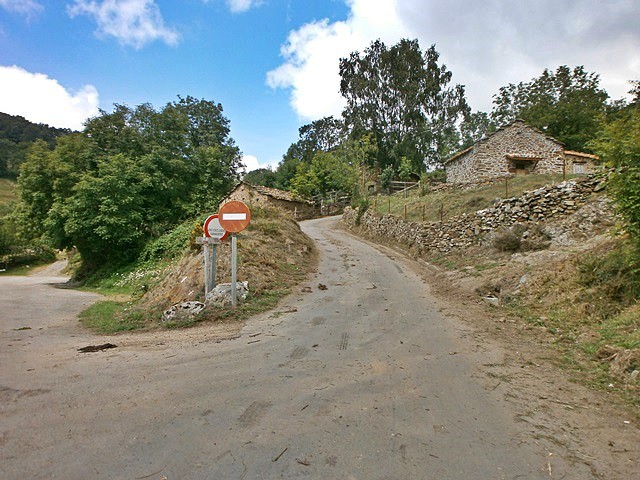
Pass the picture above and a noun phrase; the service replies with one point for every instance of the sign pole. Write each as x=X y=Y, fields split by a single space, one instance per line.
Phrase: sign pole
x=214 y=261
x=207 y=267
x=234 y=265
x=234 y=217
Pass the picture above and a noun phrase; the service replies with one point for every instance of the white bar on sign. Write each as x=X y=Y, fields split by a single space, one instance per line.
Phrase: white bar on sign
x=234 y=216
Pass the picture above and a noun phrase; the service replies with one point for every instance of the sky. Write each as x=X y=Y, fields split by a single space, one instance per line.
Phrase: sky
x=273 y=64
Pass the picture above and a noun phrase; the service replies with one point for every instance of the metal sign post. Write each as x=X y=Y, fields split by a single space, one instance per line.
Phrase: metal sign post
x=210 y=253
x=234 y=269
x=234 y=217
x=213 y=235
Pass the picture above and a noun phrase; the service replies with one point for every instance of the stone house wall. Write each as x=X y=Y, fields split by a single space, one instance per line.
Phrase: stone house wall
x=472 y=229
x=514 y=148
x=269 y=198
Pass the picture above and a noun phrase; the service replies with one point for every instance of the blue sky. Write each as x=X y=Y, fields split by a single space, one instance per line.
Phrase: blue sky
x=273 y=63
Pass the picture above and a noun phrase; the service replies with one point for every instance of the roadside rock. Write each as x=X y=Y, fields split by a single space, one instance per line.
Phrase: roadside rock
x=221 y=295
x=181 y=310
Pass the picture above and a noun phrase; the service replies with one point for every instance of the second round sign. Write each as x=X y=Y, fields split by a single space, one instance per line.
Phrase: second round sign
x=213 y=229
x=234 y=216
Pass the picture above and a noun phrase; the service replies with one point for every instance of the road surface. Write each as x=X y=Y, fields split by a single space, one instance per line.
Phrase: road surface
x=358 y=376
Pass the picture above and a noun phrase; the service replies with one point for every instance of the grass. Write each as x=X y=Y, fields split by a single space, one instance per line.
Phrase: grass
x=110 y=317
x=441 y=205
x=273 y=255
x=7 y=191
x=589 y=304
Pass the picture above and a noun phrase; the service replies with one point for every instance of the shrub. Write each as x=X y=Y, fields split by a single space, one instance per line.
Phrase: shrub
x=506 y=240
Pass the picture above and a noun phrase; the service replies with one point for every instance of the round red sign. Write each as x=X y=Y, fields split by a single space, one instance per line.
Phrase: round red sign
x=234 y=216
x=213 y=229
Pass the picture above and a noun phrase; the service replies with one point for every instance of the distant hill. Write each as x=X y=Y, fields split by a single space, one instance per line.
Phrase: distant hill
x=16 y=135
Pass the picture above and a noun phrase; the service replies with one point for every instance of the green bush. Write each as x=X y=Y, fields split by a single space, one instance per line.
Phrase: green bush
x=169 y=245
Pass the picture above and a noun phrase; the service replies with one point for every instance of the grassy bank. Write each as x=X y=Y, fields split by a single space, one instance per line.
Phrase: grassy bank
x=273 y=255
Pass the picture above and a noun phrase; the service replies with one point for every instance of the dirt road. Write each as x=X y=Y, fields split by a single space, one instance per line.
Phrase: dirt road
x=362 y=375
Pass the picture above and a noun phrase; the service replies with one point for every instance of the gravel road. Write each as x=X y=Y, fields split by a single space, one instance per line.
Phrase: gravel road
x=361 y=375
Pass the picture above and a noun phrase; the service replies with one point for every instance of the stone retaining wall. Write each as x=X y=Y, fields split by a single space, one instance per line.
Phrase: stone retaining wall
x=470 y=229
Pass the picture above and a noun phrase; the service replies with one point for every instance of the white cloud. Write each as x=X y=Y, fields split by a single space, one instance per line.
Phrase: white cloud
x=251 y=163
x=41 y=99
x=239 y=6
x=132 y=22
x=27 y=8
x=485 y=44
x=312 y=55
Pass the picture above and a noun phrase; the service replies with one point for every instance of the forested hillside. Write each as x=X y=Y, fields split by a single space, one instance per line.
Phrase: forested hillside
x=17 y=134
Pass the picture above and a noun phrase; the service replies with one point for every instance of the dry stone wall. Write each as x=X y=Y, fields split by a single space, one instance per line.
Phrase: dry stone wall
x=471 y=229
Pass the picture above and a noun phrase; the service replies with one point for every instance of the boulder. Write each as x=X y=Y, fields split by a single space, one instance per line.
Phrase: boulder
x=221 y=294
x=182 y=310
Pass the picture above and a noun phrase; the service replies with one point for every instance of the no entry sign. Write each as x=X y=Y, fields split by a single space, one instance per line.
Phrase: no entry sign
x=234 y=216
x=213 y=229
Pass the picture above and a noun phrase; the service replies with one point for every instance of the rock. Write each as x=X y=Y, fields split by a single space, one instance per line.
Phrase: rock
x=221 y=294
x=182 y=310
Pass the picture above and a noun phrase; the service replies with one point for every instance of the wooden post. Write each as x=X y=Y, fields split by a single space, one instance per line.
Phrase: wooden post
x=424 y=209
x=506 y=187
x=405 y=211
x=375 y=205
x=389 y=206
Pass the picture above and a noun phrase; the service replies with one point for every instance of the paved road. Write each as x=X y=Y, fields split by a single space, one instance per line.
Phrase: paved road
x=358 y=377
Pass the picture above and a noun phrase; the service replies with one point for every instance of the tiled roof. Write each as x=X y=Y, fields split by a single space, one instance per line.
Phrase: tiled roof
x=503 y=127
x=581 y=154
x=274 y=193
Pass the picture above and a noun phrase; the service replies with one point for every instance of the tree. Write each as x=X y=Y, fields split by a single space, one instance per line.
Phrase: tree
x=402 y=96
x=130 y=176
x=475 y=127
x=618 y=143
x=262 y=176
x=35 y=188
x=325 y=135
x=16 y=137
x=566 y=104
x=327 y=172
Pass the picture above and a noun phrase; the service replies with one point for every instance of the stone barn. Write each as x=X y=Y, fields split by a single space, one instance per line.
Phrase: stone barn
x=515 y=149
x=259 y=196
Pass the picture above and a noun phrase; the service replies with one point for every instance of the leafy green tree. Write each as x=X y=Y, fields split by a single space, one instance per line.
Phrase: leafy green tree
x=325 y=135
x=35 y=188
x=474 y=127
x=618 y=143
x=386 y=177
x=405 y=170
x=262 y=176
x=402 y=96
x=327 y=172
x=105 y=218
x=566 y=104
x=130 y=176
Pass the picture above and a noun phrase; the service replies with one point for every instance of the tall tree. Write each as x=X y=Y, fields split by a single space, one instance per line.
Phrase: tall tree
x=324 y=135
x=474 y=127
x=567 y=104
x=402 y=96
x=130 y=176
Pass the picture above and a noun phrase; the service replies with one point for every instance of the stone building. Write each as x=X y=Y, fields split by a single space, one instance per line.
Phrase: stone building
x=259 y=196
x=515 y=149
